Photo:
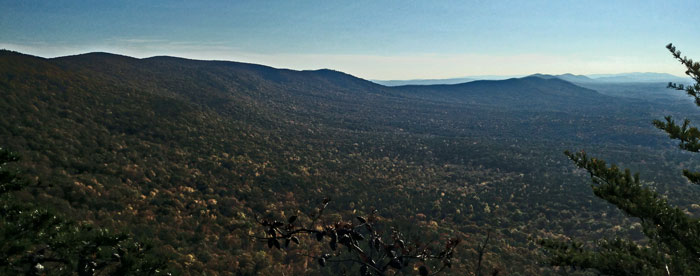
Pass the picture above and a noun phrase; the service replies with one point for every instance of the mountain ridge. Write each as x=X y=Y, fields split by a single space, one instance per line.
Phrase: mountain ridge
x=105 y=63
x=648 y=77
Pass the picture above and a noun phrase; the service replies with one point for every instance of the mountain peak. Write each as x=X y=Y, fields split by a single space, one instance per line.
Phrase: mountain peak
x=566 y=77
x=95 y=55
x=540 y=75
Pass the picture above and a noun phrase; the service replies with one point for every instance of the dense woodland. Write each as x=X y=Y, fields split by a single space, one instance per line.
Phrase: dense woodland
x=186 y=154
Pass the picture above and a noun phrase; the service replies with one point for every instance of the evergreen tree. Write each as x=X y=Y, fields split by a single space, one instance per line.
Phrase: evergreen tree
x=673 y=238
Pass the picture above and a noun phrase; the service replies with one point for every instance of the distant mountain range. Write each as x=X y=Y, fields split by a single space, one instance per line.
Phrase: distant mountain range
x=639 y=77
x=567 y=77
x=517 y=93
x=593 y=78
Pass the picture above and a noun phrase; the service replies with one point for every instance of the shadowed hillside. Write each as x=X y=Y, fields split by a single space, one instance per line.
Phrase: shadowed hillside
x=523 y=93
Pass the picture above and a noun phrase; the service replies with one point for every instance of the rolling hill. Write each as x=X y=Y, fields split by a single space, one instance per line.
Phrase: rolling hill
x=517 y=93
x=188 y=153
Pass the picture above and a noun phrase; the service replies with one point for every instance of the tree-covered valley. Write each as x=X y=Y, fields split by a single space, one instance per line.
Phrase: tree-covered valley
x=188 y=154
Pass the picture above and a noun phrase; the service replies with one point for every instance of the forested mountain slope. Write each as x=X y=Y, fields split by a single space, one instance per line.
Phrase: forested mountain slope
x=516 y=93
x=187 y=152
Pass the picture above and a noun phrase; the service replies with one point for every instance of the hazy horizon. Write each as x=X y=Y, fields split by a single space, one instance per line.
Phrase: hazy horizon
x=372 y=40
x=472 y=77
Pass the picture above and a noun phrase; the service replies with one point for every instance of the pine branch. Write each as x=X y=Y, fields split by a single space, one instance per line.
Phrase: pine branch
x=689 y=136
x=625 y=192
x=692 y=70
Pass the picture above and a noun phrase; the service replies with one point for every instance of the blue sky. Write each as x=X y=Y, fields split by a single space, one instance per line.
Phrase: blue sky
x=370 y=39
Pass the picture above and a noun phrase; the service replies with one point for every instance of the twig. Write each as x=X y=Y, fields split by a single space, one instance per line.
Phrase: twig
x=482 y=248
